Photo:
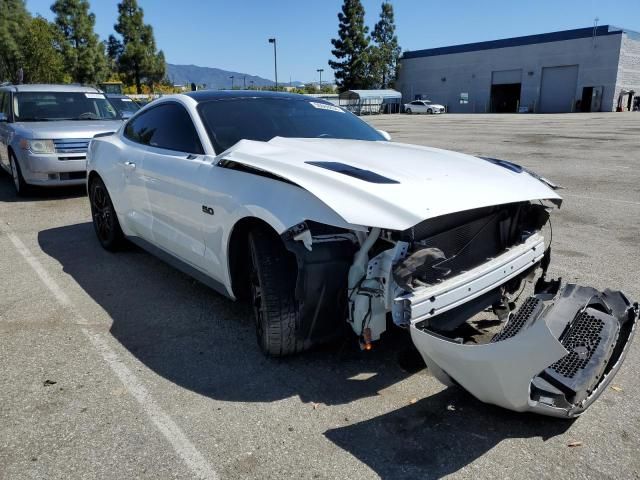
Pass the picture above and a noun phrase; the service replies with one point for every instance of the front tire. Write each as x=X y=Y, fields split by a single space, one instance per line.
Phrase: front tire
x=430 y=112
x=273 y=273
x=22 y=187
x=105 y=219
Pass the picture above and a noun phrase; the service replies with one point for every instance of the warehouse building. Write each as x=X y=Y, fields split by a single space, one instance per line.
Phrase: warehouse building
x=586 y=69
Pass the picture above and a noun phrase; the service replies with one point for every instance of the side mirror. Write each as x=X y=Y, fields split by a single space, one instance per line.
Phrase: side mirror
x=385 y=134
x=3 y=117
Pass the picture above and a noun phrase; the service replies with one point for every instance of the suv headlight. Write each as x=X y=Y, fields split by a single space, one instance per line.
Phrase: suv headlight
x=38 y=146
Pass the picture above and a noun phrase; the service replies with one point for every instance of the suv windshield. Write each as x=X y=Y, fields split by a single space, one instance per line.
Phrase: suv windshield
x=230 y=120
x=51 y=106
x=124 y=104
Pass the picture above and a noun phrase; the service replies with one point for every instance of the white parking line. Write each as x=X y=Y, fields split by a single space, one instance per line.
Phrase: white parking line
x=163 y=422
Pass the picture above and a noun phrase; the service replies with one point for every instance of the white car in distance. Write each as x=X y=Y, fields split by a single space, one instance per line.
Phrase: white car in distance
x=311 y=215
x=423 y=106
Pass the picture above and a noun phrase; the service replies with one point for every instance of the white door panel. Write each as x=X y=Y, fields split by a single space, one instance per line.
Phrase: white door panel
x=171 y=181
x=138 y=213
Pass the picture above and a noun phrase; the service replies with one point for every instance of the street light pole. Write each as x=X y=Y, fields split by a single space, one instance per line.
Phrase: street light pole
x=231 y=77
x=244 y=82
x=320 y=70
x=275 y=59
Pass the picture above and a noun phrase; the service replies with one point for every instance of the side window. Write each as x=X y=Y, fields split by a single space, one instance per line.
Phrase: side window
x=165 y=126
x=5 y=98
x=416 y=102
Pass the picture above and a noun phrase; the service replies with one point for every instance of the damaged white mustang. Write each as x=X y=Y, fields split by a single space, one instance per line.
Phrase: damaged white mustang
x=312 y=215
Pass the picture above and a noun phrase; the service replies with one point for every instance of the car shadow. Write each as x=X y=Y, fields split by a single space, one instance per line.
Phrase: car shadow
x=206 y=343
x=438 y=435
x=8 y=192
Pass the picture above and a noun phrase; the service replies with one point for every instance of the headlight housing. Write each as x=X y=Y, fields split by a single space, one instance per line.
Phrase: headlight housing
x=38 y=145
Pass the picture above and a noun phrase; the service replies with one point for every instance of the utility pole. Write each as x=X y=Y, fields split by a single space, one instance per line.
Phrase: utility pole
x=320 y=70
x=231 y=77
x=275 y=59
x=244 y=82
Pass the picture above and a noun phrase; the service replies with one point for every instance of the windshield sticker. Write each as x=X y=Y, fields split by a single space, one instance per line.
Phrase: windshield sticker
x=94 y=95
x=126 y=100
x=324 y=106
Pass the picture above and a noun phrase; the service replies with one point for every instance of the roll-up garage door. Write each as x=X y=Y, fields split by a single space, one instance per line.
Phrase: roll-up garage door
x=503 y=77
x=505 y=90
x=558 y=89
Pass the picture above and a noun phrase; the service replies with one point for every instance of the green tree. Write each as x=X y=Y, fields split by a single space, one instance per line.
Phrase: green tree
x=137 y=58
x=42 y=61
x=351 y=48
x=385 y=51
x=114 y=49
x=13 y=18
x=84 y=56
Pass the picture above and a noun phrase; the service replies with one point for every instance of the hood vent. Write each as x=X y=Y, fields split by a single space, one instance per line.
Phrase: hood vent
x=360 y=174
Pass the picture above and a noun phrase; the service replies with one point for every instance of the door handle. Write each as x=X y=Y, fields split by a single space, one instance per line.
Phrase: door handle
x=129 y=165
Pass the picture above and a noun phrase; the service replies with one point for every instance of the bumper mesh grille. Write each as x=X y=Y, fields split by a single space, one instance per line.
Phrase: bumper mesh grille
x=581 y=341
x=526 y=313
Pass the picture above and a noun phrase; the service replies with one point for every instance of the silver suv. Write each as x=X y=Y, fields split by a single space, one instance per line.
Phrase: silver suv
x=45 y=131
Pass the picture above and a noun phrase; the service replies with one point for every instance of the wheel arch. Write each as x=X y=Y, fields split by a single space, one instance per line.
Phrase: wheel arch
x=10 y=152
x=91 y=176
x=237 y=247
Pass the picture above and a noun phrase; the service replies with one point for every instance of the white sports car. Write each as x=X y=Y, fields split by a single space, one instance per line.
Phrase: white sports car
x=314 y=217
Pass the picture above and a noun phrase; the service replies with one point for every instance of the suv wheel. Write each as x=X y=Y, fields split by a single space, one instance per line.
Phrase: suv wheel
x=273 y=281
x=22 y=187
x=105 y=219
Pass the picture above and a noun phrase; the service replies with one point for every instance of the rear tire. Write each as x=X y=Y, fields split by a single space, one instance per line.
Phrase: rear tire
x=22 y=187
x=272 y=277
x=105 y=219
x=408 y=111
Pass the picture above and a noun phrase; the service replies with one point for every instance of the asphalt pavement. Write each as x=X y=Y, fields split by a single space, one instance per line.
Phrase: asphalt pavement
x=118 y=366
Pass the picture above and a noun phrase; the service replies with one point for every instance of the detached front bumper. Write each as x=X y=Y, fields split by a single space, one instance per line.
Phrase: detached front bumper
x=554 y=356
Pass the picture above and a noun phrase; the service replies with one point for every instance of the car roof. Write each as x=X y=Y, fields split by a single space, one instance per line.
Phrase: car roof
x=207 y=95
x=43 y=87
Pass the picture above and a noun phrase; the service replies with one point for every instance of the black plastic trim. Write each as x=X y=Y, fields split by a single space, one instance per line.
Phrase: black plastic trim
x=350 y=170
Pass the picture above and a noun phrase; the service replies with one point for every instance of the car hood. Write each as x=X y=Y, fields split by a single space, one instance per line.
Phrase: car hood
x=402 y=186
x=66 y=128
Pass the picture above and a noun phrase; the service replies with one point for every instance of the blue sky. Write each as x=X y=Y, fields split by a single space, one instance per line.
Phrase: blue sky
x=233 y=34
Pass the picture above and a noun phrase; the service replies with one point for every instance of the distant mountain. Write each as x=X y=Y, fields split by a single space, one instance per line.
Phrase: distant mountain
x=214 y=78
